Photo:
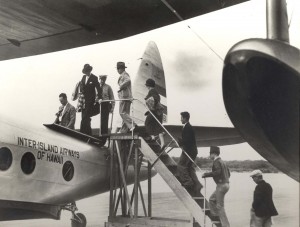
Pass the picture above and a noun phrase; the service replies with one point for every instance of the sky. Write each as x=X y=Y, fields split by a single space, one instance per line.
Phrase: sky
x=30 y=86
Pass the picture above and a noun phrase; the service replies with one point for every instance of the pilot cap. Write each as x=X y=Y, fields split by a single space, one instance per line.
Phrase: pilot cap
x=102 y=77
x=256 y=173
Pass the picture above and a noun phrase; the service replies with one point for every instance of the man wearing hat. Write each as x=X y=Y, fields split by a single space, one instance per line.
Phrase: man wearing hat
x=262 y=207
x=220 y=173
x=124 y=92
x=106 y=107
x=89 y=85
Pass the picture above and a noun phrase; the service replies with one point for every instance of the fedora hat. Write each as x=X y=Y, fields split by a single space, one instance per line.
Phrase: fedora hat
x=121 y=65
x=87 y=68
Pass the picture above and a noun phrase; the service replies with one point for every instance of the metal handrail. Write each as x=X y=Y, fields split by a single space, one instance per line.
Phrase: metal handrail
x=173 y=140
x=133 y=99
x=170 y=135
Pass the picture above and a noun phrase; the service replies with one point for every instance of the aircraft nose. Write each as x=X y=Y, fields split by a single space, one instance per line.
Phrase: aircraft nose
x=261 y=81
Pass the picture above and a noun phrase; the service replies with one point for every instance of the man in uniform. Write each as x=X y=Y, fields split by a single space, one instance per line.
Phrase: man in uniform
x=106 y=107
x=124 y=92
x=220 y=174
x=185 y=170
x=66 y=115
x=262 y=207
x=90 y=84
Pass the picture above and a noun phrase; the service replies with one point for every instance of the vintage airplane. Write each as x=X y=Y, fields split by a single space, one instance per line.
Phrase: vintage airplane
x=48 y=168
x=43 y=170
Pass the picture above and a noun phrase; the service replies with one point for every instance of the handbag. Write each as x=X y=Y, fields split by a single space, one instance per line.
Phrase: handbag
x=95 y=110
x=159 y=109
x=150 y=103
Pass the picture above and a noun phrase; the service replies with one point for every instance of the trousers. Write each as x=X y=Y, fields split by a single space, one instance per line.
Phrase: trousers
x=124 y=110
x=105 y=108
x=259 y=221
x=216 y=203
x=187 y=175
x=85 y=125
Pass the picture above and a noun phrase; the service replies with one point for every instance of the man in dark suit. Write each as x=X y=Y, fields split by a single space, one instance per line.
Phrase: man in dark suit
x=221 y=174
x=262 y=207
x=185 y=170
x=66 y=115
x=89 y=85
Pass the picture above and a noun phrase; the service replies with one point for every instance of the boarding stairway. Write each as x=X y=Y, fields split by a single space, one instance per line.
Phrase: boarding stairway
x=166 y=167
x=197 y=206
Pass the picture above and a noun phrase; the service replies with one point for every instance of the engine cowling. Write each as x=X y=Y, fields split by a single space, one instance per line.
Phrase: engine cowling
x=261 y=84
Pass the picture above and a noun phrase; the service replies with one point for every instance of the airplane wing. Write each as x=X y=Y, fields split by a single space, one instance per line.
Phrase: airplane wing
x=35 y=27
x=209 y=136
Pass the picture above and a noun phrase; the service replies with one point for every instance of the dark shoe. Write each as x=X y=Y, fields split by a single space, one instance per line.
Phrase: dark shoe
x=148 y=138
x=163 y=148
x=189 y=189
x=215 y=218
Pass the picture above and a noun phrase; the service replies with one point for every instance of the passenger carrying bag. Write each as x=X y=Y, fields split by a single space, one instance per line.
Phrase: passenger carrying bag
x=95 y=109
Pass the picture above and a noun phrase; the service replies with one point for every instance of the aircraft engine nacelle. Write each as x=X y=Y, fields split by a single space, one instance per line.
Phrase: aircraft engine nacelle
x=261 y=84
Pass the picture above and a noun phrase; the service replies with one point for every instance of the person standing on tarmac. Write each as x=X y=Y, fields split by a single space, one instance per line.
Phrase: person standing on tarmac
x=262 y=207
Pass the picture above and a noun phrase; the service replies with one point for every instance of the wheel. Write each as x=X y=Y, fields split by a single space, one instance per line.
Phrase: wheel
x=79 y=220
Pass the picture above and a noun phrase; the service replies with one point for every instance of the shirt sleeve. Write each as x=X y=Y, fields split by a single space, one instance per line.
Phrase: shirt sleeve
x=111 y=97
x=98 y=88
x=217 y=170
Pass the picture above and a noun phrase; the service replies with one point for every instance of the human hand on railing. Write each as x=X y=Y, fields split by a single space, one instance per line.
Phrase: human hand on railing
x=99 y=100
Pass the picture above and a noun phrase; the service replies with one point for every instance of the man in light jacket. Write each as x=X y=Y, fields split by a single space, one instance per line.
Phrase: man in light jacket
x=124 y=92
x=66 y=115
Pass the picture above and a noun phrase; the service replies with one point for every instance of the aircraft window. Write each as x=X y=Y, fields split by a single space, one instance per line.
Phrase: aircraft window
x=68 y=171
x=5 y=158
x=28 y=163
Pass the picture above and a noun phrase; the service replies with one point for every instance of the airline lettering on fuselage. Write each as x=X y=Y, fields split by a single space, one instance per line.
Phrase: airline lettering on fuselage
x=48 y=152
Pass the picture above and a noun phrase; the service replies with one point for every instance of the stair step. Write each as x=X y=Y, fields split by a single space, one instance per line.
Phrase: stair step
x=198 y=198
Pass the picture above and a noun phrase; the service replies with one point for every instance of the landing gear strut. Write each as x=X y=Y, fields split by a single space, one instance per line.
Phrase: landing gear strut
x=78 y=219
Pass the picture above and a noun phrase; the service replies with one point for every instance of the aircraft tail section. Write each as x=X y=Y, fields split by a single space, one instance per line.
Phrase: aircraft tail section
x=150 y=67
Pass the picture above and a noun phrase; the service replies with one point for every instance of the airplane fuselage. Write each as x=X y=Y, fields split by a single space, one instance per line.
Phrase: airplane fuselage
x=48 y=167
